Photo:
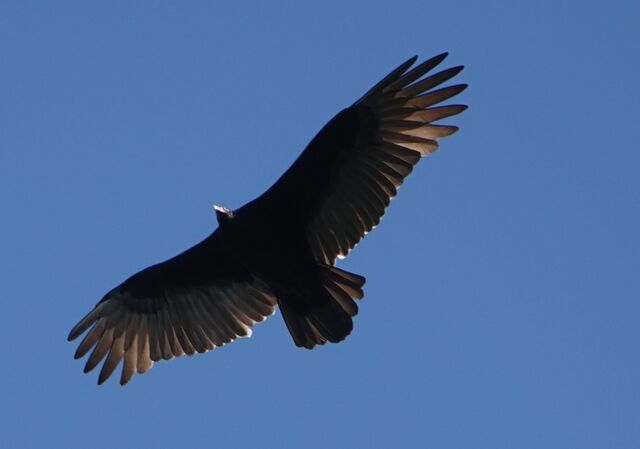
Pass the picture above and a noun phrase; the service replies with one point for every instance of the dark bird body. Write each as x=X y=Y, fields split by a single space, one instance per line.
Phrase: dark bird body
x=280 y=249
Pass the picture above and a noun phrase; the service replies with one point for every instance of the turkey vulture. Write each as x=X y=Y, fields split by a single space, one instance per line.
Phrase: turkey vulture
x=280 y=249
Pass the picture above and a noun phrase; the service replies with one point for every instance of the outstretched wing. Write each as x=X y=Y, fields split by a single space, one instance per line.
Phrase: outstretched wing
x=340 y=186
x=192 y=303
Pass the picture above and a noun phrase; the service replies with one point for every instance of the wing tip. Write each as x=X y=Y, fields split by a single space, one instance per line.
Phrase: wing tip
x=455 y=70
x=440 y=57
x=86 y=322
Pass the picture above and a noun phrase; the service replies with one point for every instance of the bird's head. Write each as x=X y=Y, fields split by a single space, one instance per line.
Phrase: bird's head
x=222 y=214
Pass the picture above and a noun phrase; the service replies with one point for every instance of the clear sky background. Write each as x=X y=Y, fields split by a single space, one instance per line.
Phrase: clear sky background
x=502 y=307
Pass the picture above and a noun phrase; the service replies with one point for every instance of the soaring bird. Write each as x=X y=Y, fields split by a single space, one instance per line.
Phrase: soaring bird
x=280 y=249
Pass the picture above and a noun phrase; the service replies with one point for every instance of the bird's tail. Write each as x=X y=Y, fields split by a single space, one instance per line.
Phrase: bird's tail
x=324 y=315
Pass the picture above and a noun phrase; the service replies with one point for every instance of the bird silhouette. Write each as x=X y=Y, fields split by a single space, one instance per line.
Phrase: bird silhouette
x=280 y=249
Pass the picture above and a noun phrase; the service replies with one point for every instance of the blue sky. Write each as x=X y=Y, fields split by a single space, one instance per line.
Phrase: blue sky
x=502 y=303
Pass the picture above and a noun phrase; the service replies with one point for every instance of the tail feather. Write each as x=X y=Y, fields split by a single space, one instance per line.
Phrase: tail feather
x=304 y=334
x=327 y=315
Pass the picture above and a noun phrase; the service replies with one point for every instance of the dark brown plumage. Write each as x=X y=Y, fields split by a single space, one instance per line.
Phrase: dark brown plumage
x=280 y=249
